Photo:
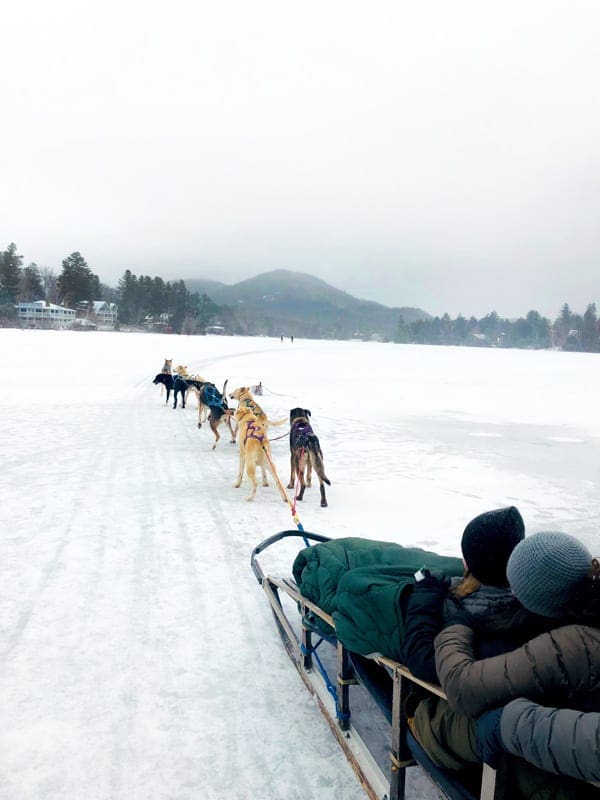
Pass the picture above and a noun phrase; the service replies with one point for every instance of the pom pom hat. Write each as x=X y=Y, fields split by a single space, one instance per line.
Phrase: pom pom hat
x=487 y=542
x=547 y=570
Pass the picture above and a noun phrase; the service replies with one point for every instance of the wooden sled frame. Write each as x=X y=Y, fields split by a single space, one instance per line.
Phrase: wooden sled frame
x=376 y=784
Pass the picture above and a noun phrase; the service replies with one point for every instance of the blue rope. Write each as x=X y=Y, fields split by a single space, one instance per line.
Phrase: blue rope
x=344 y=717
x=301 y=529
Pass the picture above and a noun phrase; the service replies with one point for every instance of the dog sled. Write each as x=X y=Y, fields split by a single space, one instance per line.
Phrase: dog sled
x=362 y=698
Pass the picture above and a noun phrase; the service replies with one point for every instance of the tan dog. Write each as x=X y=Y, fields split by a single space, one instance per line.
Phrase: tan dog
x=245 y=400
x=182 y=371
x=255 y=451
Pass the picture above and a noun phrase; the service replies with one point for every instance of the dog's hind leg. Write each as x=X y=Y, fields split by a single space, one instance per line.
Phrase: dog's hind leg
x=323 y=498
x=263 y=469
x=232 y=428
x=214 y=424
x=309 y=470
x=302 y=459
x=317 y=456
x=240 y=475
x=251 y=473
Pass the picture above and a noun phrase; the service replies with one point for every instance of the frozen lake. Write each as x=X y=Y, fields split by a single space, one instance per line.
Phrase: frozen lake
x=139 y=657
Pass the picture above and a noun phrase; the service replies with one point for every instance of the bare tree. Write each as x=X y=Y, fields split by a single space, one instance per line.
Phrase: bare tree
x=50 y=284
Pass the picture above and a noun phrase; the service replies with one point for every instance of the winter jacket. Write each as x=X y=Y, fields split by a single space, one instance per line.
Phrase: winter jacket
x=563 y=741
x=558 y=668
x=501 y=622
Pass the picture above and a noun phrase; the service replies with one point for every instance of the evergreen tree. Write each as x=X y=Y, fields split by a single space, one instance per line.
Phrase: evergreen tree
x=562 y=325
x=490 y=327
x=460 y=329
x=127 y=291
x=10 y=279
x=589 y=329
x=31 y=287
x=76 y=282
x=401 y=333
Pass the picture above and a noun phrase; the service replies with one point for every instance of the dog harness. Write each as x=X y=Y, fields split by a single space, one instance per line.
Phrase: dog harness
x=212 y=397
x=250 y=404
x=301 y=433
x=250 y=433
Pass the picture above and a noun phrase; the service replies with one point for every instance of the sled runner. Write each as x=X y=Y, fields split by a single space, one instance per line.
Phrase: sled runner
x=309 y=637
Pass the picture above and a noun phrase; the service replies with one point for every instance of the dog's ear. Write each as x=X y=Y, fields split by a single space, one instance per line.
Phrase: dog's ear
x=307 y=412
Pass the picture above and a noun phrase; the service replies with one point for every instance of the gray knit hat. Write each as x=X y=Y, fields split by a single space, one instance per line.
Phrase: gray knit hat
x=546 y=570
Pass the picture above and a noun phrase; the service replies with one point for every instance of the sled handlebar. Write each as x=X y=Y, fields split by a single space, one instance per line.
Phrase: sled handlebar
x=256 y=568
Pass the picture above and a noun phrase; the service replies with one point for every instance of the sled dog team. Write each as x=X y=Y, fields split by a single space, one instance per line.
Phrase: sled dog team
x=249 y=424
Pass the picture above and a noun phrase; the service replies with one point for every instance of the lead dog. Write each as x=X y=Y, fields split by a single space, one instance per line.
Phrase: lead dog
x=305 y=453
x=255 y=451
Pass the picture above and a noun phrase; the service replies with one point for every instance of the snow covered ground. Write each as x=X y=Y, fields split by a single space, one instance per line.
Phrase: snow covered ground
x=139 y=658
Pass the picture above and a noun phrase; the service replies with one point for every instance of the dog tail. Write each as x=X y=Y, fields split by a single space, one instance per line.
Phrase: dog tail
x=276 y=422
x=317 y=458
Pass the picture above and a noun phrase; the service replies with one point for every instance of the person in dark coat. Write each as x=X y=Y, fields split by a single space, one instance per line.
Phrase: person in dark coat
x=483 y=596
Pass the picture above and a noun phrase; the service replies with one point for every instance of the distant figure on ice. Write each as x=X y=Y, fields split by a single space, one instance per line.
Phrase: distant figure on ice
x=281 y=337
x=291 y=338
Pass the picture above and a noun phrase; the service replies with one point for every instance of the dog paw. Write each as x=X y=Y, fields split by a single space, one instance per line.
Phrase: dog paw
x=199 y=424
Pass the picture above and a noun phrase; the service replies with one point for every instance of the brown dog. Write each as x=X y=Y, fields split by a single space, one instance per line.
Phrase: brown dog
x=305 y=453
x=216 y=402
x=255 y=451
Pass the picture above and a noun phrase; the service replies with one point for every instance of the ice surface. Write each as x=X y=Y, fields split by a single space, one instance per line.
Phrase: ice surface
x=139 y=657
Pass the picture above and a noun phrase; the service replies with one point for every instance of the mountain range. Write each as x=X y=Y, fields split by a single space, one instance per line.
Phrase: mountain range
x=289 y=303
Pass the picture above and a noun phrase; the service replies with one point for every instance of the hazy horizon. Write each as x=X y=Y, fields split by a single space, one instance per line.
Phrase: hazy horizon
x=440 y=156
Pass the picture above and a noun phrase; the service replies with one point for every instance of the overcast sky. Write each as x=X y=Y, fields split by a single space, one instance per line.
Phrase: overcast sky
x=444 y=155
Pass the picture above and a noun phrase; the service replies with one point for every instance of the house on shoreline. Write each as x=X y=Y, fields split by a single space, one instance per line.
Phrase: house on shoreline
x=41 y=314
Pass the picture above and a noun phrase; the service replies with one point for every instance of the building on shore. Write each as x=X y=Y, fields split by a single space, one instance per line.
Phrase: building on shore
x=41 y=314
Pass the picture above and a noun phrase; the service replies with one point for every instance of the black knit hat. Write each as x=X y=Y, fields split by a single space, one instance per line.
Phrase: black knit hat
x=488 y=541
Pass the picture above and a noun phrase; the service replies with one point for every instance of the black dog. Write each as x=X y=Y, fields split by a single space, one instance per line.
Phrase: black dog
x=305 y=452
x=174 y=382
